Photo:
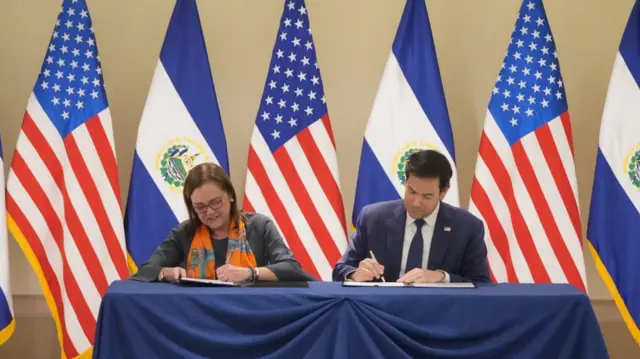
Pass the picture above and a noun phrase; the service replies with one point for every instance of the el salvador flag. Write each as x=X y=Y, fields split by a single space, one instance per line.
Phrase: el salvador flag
x=409 y=113
x=7 y=321
x=613 y=230
x=180 y=128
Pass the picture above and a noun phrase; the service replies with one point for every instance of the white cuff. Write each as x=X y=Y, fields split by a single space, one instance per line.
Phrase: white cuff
x=447 y=278
x=346 y=276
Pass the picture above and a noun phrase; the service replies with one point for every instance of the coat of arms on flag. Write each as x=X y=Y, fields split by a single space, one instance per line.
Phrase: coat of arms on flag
x=177 y=158
x=180 y=128
x=409 y=114
x=632 y=166
x=613 y=231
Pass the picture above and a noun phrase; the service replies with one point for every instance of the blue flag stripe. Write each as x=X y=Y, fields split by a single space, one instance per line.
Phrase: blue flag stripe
x=630 y=41
x=144 y=231
x=187 y=64
x=5 y=312
x=373 y=183
x=415 y=51
x=611 y=218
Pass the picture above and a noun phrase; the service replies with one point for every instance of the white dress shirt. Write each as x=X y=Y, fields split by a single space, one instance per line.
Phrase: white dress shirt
x=427 y=236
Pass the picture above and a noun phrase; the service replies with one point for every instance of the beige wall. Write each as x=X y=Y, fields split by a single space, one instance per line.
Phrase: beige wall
x=353 y=39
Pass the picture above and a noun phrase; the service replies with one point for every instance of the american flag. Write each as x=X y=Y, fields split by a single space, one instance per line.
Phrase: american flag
x=63 y=199
x=292 y=168
x=525 y=185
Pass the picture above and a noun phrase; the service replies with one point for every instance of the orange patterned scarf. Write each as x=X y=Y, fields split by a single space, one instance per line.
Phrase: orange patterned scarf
x=201 y=261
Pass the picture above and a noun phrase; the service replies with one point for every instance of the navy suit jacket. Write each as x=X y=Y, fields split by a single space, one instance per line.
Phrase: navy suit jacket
x=459 y=251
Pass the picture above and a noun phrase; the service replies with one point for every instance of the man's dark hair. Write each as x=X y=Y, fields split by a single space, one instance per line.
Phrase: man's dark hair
x=429 y=164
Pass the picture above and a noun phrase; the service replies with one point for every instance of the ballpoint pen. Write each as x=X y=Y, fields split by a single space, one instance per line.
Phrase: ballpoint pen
x=374 y=258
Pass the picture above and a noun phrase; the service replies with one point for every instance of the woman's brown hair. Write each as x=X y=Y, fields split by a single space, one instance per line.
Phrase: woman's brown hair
x=201 y=174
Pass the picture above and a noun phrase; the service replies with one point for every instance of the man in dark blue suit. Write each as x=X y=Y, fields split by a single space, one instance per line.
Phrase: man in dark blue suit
x=419 y=239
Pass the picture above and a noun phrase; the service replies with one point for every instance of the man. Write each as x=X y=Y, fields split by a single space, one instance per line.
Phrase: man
x=419 y=239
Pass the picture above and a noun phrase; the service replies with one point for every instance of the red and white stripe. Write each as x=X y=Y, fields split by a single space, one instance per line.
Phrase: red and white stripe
x=63 y=195
x=526 y=195
x=298 y=186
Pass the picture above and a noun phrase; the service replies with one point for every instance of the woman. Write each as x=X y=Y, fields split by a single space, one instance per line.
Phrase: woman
x=219 y=241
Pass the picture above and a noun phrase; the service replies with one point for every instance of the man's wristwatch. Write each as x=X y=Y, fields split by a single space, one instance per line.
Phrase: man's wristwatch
x=257 y=276
x=160 y=275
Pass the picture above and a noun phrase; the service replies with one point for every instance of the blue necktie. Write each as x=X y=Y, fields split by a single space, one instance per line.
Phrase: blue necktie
x=414 y=259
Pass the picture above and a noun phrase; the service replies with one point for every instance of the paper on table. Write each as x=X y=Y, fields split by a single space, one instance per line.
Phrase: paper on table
x=373 y=284
x=443 y=285
x=210 y=282
x=416 y=285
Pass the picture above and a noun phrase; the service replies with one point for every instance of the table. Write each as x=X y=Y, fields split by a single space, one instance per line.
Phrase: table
x=326 y=320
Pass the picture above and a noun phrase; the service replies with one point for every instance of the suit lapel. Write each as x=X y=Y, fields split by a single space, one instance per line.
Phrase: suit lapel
x=395 y=235
x=441 y=238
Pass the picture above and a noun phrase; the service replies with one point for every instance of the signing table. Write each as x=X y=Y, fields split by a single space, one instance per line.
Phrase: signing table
x=327 y=320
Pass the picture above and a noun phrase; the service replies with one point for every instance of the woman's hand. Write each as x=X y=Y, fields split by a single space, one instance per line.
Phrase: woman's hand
x=231 y=273
x=172 y=274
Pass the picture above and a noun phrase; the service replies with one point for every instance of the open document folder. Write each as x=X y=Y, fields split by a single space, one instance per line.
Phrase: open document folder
x=414 y=285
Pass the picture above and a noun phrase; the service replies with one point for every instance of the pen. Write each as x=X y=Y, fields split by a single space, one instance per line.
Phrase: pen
x=374 y=258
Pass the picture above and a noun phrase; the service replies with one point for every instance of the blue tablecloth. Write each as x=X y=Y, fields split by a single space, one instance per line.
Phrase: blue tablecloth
x=326 y=320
